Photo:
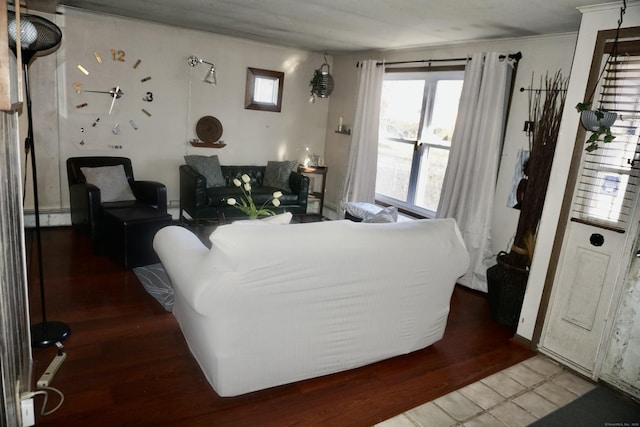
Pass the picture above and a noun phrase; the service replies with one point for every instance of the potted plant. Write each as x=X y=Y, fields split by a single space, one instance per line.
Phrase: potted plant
x=598 y=122
x=246 y=205
x=321 y=83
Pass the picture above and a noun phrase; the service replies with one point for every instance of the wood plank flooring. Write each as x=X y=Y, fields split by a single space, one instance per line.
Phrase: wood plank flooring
x=128 y=364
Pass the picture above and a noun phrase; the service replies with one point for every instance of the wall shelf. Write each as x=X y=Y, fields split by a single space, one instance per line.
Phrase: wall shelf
x=207 y=144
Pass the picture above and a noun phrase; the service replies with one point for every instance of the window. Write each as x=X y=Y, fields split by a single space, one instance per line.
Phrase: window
x=417 y=116
x=264 y=90
x=607 y=187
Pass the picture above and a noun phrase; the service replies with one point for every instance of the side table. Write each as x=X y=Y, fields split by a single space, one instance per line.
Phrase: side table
x=316 y=189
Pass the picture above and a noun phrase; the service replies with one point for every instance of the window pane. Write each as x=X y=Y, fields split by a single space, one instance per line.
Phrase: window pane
x=265 y=90
x=445 y=111
x=400 y=108
x=607 y=201
x=432 y=168
x=394 y=169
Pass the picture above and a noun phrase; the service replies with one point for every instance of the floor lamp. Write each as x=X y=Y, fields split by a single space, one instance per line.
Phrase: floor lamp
x=37 y=36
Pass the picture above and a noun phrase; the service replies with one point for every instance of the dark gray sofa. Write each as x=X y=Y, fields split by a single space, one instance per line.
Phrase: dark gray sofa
x=202 y=202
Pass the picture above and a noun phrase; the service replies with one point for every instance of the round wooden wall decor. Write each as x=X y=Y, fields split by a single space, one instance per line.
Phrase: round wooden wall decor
x=209 y=129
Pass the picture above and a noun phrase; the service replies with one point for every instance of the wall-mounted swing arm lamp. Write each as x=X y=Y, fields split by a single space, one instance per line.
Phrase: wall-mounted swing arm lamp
x=210 y=77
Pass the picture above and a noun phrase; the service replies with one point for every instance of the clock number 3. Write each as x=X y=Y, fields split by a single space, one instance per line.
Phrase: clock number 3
x=148 y=97
x=117 y=55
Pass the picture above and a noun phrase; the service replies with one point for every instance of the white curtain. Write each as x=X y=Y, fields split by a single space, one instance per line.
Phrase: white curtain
x=360 y=180
x=469 y=184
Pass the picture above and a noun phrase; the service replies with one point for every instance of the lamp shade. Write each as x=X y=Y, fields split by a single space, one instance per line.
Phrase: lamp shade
x=210 y=77
x=37 y=35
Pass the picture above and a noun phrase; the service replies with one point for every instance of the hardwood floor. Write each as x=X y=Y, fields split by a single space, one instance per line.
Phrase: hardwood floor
x=128 y=364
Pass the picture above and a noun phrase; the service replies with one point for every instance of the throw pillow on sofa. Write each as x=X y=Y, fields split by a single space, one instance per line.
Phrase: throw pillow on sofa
x=277 y=174
x=209 y=167
x=112 y=182
x=388 y=214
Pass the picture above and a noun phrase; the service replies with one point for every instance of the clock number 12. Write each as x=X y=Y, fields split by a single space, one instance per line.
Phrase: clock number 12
x=117 y=55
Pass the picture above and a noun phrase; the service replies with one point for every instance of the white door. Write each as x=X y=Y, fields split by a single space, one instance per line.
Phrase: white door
x=582 y=297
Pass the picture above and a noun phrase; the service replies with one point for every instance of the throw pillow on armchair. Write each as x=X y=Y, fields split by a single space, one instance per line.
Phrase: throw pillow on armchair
x=112 y=182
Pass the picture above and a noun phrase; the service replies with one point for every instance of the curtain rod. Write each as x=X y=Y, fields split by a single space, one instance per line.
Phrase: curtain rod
x=514 y=56
x=423 y=61
x=522 y=89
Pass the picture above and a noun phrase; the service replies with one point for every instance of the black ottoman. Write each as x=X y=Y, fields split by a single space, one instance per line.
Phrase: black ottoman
x=130 y=232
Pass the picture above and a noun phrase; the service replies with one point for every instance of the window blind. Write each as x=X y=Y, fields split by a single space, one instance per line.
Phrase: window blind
x=607 y=187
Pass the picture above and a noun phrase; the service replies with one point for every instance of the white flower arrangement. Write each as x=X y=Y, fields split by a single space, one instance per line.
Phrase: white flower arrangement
x=246 y=205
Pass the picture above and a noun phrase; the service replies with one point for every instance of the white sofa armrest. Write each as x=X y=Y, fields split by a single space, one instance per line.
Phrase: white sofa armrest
x=181 y=253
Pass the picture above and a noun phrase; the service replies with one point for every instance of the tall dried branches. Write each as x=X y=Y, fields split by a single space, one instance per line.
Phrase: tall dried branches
x=545 y=110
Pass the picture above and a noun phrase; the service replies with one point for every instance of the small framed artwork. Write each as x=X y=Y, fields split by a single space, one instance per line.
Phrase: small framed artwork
x=520 y=180
x=264 y=90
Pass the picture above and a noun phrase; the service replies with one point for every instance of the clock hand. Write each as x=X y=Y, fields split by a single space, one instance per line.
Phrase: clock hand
x=116 y=94
x=111 y=92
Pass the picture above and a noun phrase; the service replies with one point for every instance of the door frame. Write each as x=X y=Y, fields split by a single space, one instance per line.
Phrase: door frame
x=565 y=218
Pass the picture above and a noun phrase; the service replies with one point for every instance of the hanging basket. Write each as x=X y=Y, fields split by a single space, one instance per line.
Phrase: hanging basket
x=322 y=84
x=591 y=122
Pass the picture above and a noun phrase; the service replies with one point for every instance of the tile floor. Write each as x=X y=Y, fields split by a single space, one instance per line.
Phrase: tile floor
x=514 y=397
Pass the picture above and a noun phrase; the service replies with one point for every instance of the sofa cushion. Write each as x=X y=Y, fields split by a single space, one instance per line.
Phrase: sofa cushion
x=277 y=174
x=209 y=167
x=112 y=182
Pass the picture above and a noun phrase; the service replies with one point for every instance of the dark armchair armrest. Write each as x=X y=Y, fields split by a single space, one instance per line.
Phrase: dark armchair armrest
x=299 y=184
x=151 y=192
x=86 y=209
x=84 y=199
x=193 y=194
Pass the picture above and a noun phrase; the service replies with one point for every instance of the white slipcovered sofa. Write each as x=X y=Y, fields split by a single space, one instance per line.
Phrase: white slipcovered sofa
x=273 y=304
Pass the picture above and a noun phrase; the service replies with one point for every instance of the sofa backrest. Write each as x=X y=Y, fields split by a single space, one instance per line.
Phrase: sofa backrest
x=254 y=255
x=256 y=173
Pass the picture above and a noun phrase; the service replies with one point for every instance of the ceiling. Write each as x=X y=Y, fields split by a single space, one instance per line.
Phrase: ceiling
x=340 y=26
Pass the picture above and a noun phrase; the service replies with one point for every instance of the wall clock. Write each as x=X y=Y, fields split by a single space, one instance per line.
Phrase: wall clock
x=113 y=93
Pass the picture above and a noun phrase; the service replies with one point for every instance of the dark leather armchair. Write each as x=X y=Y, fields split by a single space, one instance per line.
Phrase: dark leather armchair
x=87 y=209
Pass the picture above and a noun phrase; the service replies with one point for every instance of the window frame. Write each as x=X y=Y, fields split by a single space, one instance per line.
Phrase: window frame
x=421 y=147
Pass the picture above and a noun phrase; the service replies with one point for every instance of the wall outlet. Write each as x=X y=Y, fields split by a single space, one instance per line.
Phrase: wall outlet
x=28 y=413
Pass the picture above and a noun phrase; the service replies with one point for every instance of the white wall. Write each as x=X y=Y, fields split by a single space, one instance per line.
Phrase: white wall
x=540 y=55
x=180 y=99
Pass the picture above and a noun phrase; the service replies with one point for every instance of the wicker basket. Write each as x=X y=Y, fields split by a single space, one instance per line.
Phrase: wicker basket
x=506 y=286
